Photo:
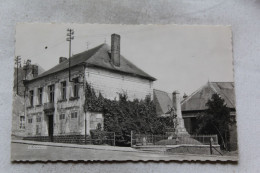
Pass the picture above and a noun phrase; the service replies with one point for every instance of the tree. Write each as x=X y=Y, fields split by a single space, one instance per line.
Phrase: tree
x=216 y=120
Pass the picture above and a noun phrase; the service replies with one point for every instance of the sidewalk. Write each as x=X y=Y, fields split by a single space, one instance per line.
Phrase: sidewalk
x=95 y=147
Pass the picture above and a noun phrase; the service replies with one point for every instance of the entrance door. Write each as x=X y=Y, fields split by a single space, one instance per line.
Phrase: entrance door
x=50 y=126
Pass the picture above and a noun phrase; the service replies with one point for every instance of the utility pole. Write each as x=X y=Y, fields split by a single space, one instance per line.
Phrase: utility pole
x=70 y=36
x=17 y=62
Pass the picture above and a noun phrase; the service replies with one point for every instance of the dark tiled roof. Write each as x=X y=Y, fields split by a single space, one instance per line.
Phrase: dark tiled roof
x=99 y=57
x=162 y=102
x=197 y=100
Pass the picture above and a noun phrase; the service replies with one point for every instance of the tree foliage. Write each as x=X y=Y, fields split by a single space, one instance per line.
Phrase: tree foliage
x=123 y=116
x=216 y=120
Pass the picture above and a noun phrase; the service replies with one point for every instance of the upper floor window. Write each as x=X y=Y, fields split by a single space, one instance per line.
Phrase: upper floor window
x=63 y=90
x=40 y=96
x=31 y=97
x=51 y=93
x=22 y=122
x=76 y=87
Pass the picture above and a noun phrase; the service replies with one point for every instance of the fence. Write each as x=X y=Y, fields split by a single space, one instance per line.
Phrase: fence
x=144 y=139
x=97 y=138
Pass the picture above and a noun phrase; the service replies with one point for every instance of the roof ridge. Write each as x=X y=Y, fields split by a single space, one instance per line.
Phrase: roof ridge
x=161 y=91
x=192 y=94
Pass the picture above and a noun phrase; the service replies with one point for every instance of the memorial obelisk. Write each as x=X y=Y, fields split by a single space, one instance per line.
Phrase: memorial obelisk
x=180 y=129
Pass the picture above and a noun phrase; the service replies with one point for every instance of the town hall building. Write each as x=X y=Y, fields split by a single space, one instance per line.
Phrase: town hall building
x=54 y=100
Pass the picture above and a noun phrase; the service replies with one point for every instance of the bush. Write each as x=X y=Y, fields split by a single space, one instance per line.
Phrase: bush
x=124 y=116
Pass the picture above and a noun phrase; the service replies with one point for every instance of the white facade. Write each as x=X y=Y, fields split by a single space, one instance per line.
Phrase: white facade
x=108 y=83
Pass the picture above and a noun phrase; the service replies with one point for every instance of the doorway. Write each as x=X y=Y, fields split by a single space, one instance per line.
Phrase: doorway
x=50 y=127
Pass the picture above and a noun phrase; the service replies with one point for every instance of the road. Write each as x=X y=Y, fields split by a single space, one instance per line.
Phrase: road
x=28 y=152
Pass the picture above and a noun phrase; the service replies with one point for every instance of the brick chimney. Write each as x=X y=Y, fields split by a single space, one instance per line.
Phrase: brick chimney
x=35 y=70
x=62 y=59
x=115 y=49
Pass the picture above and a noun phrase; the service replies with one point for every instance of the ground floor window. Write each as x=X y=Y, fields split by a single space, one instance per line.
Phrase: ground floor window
x=22 y=122
x=30 y=120
x=62 y=116
x=74 y=115
x=38 y=119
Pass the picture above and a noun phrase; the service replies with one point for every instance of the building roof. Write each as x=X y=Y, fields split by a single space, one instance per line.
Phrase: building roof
x=21 y=74
x=99 y=57
x=197 y=100
x=162 y=101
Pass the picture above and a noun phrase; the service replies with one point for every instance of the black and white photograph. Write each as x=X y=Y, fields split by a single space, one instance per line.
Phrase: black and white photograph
x=111 y=92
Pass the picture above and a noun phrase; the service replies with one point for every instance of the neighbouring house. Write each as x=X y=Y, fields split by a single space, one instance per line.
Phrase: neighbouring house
x=195 y=104
x=54 y=102
x=163 y=102
x=28 y=71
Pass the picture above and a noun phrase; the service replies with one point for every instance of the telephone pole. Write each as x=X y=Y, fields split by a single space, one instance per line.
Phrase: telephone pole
x=70 y=36
x=17 y=62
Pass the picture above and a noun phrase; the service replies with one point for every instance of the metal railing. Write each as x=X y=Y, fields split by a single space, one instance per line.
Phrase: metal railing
x=149 y=139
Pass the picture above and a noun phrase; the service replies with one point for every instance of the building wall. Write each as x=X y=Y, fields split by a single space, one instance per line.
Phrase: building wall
x=18 y=110
x=110 y=84
x=67 y=125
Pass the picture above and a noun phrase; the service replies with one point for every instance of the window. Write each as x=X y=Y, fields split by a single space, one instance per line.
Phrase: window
x=30 y=120
x=76 y=87
x=63 y=90
x=31 y=97
x=38 y=119
x=40 y=96
x=95 y=119
x=62 y=116
x=74 y=115
x=22 y=122
x=51 y=93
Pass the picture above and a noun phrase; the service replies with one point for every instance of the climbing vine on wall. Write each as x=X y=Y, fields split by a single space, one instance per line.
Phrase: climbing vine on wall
x=122 y=116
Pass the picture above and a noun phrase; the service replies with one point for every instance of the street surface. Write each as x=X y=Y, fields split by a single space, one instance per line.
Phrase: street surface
x=24 y=151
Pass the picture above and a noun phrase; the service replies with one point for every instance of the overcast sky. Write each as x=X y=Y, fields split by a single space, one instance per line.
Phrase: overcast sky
x=180 y=57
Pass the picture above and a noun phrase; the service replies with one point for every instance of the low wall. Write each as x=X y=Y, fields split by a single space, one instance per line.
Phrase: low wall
x=73 y=139
x=180 y=149
x=194 y=149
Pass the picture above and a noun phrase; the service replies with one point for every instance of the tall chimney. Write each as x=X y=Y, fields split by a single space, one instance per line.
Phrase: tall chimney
x=115 y=49
x=62 y=59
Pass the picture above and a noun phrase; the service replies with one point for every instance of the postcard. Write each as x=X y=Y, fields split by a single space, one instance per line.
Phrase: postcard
x=103 y=92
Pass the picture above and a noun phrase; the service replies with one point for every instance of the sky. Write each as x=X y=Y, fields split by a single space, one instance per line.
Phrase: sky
x=180 y=57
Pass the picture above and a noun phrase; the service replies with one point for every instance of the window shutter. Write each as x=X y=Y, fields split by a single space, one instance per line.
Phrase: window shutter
x=70 y=91
x=46 y=93
x=59 y=91
x=36 y=96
